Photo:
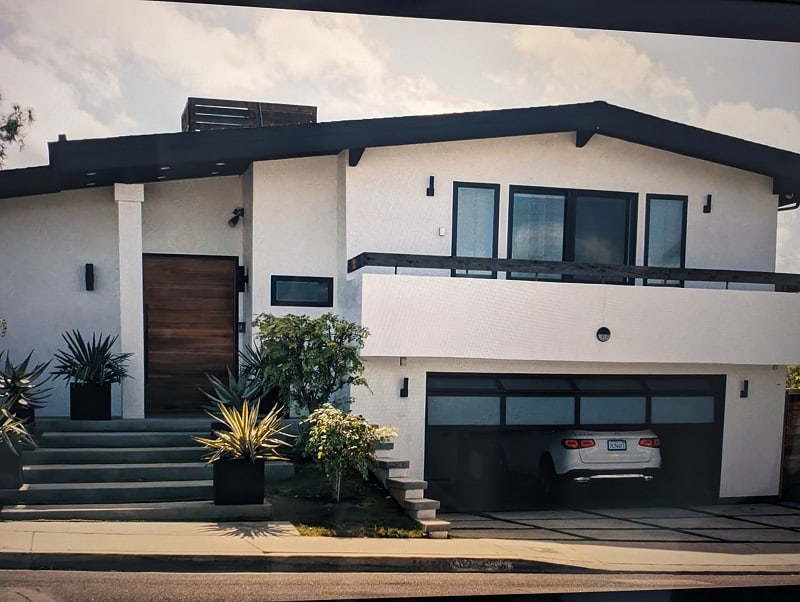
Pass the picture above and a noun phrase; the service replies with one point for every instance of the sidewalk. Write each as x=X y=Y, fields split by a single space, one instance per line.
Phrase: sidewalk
x=276 y=546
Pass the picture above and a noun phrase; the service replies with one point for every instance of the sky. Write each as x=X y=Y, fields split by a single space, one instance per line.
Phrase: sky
x=100 y=68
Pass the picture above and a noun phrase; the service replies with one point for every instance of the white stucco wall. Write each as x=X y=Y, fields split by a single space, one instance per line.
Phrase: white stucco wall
x=45 y=241
x=191 y=217
x=294 y=226
x=752 y=428
x=557 y=321
x=388 y=210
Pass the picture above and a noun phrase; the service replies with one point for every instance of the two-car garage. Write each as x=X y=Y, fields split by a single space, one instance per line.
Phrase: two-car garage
x=486 y=435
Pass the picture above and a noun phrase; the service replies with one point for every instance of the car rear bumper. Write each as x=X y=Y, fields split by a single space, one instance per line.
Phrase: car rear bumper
x=586 y=476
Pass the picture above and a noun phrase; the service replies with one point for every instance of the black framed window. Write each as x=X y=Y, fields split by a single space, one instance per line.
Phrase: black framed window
x=476 y=209
x=665 y=235
x=571 y=225
x=301 y=291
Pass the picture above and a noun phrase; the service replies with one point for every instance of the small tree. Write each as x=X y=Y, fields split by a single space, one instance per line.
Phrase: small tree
x=309 y=359
x=12 y=128
x=342 y=443
x=793 y=377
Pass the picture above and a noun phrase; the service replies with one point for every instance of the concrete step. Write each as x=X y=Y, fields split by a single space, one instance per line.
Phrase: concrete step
x=420 y=509
x=107 y=493
x=194 y=423
x=434 y=528
x=116 y=455
x=119 y=439
x=403 y=488
x=142 y=511
x=115 y=473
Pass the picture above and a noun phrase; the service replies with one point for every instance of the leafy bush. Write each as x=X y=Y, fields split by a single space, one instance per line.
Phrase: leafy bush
x=308 y=359
x=342 y=443
x=243 y=436
x=793 y=377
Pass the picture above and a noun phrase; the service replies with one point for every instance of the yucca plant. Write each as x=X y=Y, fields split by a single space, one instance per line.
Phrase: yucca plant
x=90 y=362
x=235 y=392
x=18 y=384
x=244 y=436
x=13 y=430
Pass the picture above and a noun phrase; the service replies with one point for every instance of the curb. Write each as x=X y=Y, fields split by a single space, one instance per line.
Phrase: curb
x=204 y=563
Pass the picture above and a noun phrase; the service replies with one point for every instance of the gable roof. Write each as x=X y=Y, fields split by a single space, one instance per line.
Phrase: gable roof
x=155 y=157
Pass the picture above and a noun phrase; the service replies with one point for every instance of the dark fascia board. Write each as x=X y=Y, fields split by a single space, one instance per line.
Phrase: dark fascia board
x=149 y=158
x=744 y=19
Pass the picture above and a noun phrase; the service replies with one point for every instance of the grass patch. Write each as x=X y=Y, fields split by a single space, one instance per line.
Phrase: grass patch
x=365 y=510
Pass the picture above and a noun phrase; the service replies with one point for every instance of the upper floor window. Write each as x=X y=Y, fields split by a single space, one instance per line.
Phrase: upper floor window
x=665 y=235
x=475 y=215
x=571 y=225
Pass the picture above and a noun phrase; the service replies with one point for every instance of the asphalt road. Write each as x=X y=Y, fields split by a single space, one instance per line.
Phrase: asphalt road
x=64 y=586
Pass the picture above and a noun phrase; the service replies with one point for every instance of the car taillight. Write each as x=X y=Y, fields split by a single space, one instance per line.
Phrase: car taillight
x=577 y=443
x=650 y=442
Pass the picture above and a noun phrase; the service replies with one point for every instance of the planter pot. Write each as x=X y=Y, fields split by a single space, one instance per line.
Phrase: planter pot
x=89 y=401
x=238 y=481
x=10 y=469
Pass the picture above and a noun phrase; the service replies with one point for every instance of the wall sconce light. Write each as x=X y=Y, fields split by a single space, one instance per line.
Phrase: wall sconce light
x=707 y=206
x=88 y=276
x=238 y=213
x=745 y=388
x=404 y=389
x=429 y=190
x=603 y=334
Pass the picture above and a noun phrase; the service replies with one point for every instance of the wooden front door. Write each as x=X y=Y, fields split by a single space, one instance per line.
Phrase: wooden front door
x=190 y=328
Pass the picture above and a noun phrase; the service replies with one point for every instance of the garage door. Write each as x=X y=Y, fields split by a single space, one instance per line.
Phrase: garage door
x=485 y=432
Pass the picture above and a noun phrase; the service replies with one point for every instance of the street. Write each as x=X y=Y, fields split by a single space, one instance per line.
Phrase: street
x=63 y=586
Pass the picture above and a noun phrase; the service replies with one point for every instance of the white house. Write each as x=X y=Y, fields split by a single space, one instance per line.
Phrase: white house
x=519 y=270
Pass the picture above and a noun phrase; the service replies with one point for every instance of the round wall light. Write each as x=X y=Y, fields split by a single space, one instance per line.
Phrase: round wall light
x=603 y=334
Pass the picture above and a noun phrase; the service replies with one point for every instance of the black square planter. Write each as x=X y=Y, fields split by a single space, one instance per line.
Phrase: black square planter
x=89 y=401
x=239 y=481
x=10 y=468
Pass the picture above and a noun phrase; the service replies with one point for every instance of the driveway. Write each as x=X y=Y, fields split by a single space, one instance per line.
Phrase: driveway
x=734 y=523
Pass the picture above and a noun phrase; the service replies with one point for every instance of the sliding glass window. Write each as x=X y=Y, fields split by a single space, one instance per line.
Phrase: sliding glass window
x=475 y=216
x=537 y=228
x=665 y=238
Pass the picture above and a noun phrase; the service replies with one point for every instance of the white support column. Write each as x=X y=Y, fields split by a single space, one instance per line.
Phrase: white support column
x=129 y=198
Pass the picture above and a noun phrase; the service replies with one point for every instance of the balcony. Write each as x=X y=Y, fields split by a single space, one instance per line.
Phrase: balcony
x=546 y=320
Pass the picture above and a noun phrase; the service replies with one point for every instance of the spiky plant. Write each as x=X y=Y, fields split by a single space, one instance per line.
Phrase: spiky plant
x=236 y=391
x=244 y=435
x=90 y=361
x=13 y=431
x=18 y=383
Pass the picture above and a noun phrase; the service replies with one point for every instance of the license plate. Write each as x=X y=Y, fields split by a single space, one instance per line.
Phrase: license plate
x=617 y=445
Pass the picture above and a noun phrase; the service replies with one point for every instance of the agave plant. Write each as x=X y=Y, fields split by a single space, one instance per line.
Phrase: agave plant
x=90 y=361
x=245 y=436
x=13 y=431
x=237 y=391
x=18 y=384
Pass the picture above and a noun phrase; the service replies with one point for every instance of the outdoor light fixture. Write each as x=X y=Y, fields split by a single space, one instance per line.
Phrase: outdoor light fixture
x=603 y=334
x=745 y=388
x=430 y=190
x=404 y=389
x=238 y=213
x=88 y=276
x=707 y=206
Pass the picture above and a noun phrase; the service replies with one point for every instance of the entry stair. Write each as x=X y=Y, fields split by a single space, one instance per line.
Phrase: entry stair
x=409 y=493
x=148 y=469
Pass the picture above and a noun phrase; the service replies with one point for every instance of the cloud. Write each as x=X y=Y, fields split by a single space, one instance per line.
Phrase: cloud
x=770 y=125
x=563 y=66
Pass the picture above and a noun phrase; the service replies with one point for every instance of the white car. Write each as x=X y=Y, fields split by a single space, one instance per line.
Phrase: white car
x=583 y=456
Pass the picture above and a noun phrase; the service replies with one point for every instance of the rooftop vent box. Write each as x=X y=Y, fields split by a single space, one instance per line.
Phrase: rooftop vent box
x=203 y=114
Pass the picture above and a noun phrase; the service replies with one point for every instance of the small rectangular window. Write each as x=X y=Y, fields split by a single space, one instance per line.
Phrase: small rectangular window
x=665 y=237
x=463 y=411
x=302 y=291
x=613 y=410
x=540 y=410
x=682 y=410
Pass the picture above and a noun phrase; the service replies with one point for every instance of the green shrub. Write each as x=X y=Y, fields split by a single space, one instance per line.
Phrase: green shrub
x=342 y=443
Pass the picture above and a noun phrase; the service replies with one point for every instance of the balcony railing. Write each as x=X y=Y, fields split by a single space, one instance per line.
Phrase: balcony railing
x=596 y=272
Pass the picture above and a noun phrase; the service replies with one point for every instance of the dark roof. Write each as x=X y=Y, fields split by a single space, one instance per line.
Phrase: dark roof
x=747 y=19
x=150 y=158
